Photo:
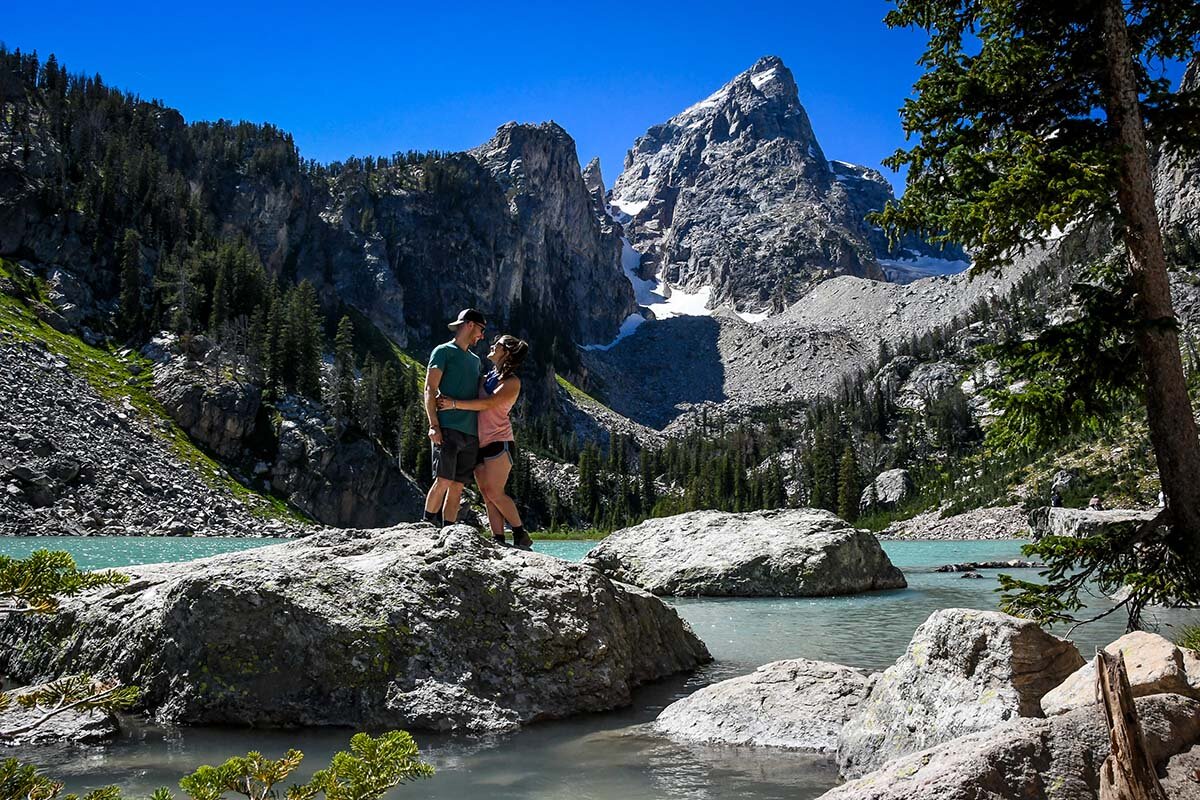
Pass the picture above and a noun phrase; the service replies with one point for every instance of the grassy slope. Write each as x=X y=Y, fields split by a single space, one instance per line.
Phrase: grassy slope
x=111 y=374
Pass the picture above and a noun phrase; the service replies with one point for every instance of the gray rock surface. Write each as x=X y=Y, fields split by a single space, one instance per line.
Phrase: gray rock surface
x=891 y=488
x=973 y=566
x=964 y=671
x=1182 y=775
x=995 y=522
x=406 y=627
x=565 y=259
x=1055 y=758
x=792 y=552
x=219 y=415
x=1154 y=665
x=1082 y=522
x=795 y=704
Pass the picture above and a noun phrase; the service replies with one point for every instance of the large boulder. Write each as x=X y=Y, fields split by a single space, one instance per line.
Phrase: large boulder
x=1154 y=665
x=795 y=704
x=1055 y=758
x=964 y=671
x=1082 y=522
x=803 y=552
x=892 y=488
x=405 y=627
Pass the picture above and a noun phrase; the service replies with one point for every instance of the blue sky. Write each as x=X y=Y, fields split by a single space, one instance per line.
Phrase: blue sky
x=371 y=79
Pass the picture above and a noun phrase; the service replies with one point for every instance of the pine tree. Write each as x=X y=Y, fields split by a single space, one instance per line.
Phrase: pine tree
x=849 y=490
x=1004 y=154
x=131 y=312
x=304 y=340
x=366 y=400
x=1029 y=116
x=342 y=384
x=646 y=472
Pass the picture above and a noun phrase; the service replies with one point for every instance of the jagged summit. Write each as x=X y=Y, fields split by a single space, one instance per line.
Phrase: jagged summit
x=569 y=258
x=735 y=194
x=593 y=179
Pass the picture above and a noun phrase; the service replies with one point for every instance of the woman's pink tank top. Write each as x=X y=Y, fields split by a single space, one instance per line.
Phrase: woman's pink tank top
x=494 y=425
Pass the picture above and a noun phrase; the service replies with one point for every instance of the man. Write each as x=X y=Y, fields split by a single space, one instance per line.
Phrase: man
x=454 y=373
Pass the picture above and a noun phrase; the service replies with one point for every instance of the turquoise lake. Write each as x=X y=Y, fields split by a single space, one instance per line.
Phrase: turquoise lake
x=597 y=756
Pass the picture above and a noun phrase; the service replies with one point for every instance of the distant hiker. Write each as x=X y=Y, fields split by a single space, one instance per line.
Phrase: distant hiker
x=454 y=374
x=1055 y=499
x=497 y=394
x=1094 y=504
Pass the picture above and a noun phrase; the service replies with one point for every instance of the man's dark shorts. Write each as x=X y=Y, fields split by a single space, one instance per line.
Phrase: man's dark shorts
x=454 y=459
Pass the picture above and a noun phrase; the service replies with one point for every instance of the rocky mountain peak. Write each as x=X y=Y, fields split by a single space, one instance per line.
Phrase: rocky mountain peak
x=735 y=193
x=569 y=255
x=594 y=180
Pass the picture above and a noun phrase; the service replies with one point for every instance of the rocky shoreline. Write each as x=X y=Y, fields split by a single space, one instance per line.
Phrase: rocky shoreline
x=980 y=701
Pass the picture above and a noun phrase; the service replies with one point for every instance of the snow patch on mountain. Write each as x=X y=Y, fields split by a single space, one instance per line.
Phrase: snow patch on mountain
x=915 y=266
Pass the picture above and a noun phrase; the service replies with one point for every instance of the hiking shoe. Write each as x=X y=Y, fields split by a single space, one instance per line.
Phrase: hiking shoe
x=524 y=543
x=500 y=540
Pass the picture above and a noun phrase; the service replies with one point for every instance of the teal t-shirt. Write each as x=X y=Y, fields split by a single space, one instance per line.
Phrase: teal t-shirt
x=460 y=380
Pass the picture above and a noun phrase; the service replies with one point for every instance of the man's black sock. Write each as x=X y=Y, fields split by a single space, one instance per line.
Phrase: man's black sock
x=432 y=516
x=518 y=531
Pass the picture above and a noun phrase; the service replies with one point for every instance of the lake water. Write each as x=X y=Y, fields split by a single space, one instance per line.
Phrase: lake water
x=592 y=757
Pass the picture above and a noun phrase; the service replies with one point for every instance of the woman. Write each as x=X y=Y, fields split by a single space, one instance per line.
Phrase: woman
x=497 y=394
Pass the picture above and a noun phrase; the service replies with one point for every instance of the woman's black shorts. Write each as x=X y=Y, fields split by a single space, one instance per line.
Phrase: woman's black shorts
x=494 y=450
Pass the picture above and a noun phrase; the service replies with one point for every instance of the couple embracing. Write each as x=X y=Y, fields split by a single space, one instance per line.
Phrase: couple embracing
x=469 y=425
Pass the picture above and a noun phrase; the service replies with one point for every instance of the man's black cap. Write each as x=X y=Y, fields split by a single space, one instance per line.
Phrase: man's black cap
x=467 y=315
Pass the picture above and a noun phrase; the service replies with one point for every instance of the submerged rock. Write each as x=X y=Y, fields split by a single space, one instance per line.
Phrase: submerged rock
x=964 y=671
x=802 y=552
x=1154 y=665
x=1055 y=758
x=795 y=704
x=973 y=566
x=404 y=627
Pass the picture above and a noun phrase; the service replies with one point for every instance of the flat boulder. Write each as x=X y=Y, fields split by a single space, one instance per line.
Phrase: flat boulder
x=1079 y=523
x=795 y=704
x=1055 y=758
x=804 y=552
x=406 y=627
x=1154 y=665
x=964 y=671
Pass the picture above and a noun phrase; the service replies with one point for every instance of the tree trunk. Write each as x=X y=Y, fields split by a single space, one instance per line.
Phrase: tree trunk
x=1127 y=773
x=1168 y=408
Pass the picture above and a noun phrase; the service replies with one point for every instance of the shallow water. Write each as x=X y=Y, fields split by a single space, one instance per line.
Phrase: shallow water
x=591 y=757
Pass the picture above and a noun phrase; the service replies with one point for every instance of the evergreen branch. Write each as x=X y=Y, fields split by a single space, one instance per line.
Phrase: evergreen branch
x=77 y=692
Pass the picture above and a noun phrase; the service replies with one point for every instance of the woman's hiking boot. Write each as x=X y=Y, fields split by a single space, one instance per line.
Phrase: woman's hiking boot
x=521 y=539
